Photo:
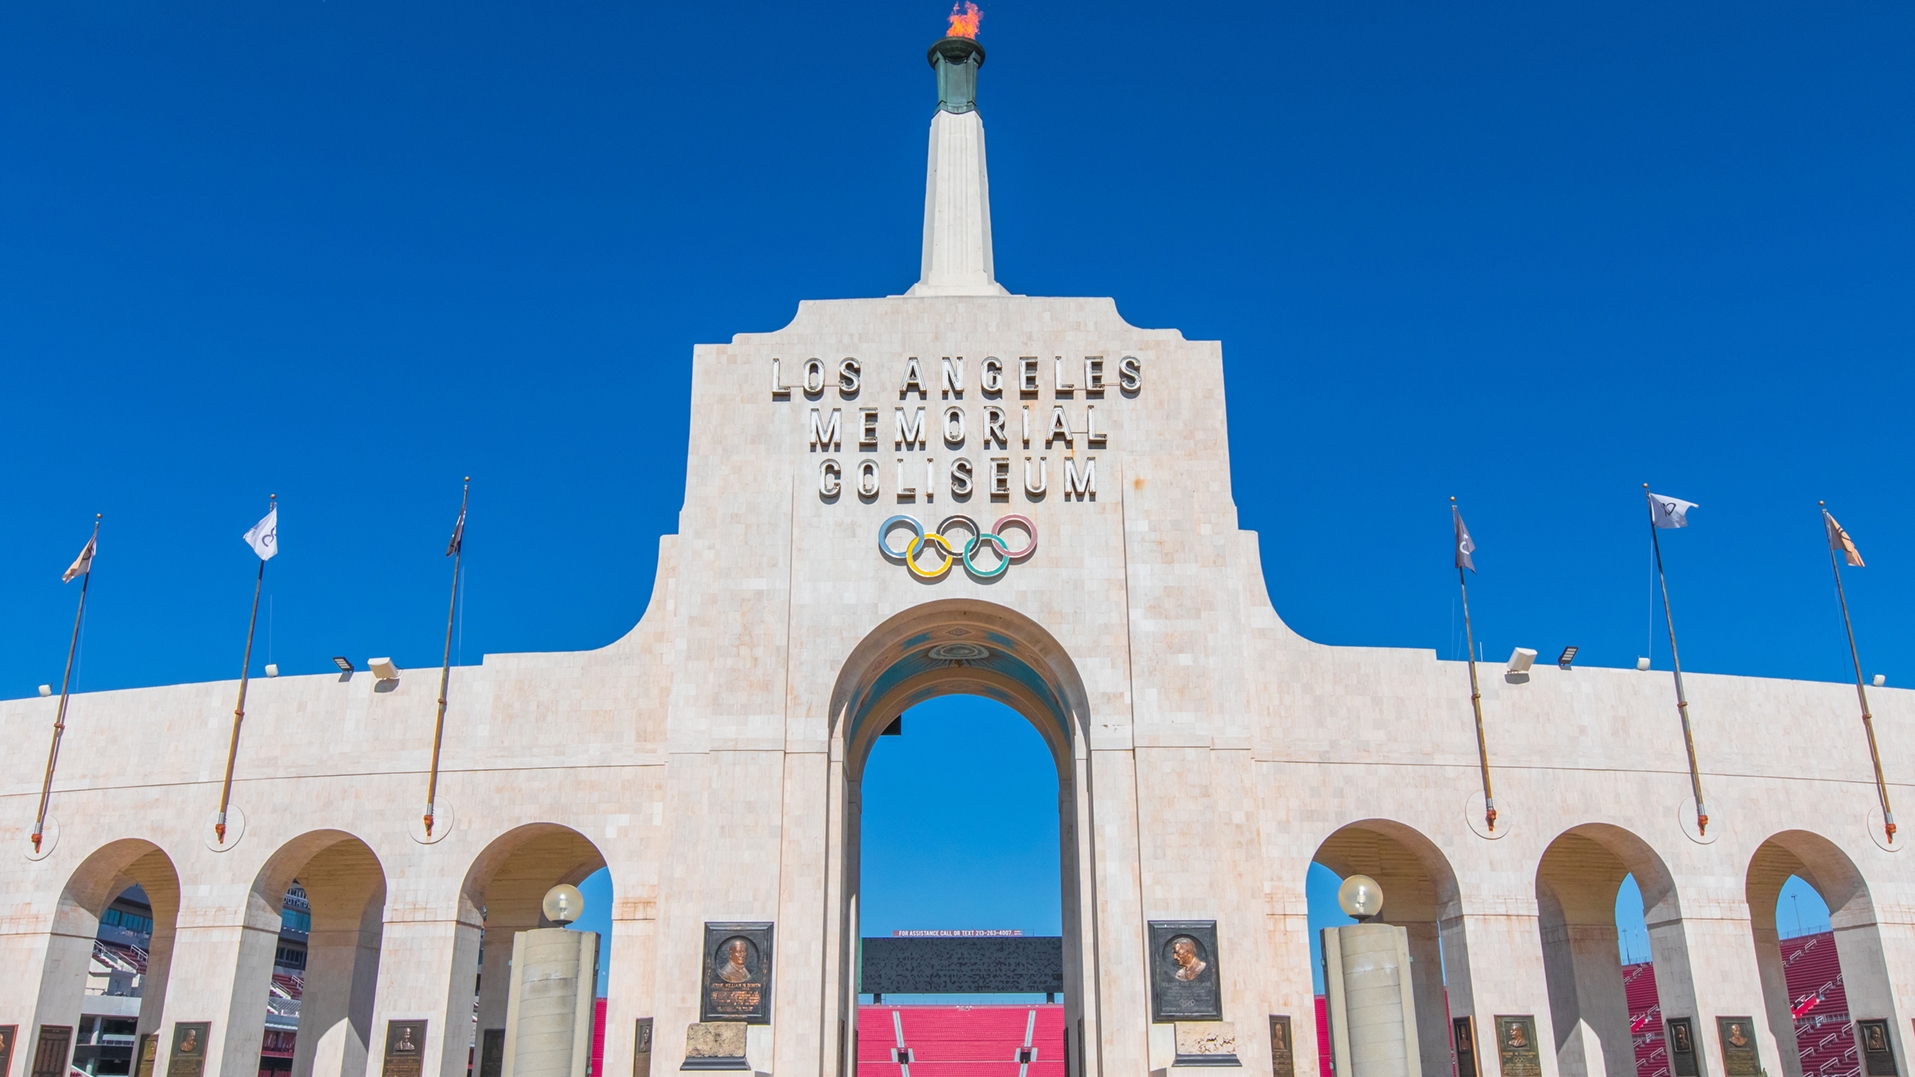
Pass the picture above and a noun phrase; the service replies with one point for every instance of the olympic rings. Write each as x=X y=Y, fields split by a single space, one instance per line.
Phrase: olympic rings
x=940 y=543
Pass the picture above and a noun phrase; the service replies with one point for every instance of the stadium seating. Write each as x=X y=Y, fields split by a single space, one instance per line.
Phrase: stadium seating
x=961 y=1041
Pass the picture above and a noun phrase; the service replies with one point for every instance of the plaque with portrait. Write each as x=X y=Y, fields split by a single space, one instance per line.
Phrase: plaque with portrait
x=1681 y=1038
x=405 y=1049
x=1183 y=971
x=1516 y=1052
x=1739 y=1057
x=1283 y=1056
x=1463 y=1039
x=737 y=974
x=188 y=1057
x=8 y=1033
x=1878 y=1055
x=642 y=1048
x=143 y=1058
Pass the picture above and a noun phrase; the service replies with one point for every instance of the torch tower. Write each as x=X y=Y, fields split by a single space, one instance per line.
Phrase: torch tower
x=957 y=187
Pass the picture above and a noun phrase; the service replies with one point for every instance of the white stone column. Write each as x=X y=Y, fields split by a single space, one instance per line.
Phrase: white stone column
x=957 y=210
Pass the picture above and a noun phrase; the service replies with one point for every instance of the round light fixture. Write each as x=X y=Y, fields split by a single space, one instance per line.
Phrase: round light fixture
x=1360 y=897
x=563 y=904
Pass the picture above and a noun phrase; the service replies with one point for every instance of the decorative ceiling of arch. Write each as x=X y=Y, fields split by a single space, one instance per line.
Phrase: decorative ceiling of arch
x=927 y=653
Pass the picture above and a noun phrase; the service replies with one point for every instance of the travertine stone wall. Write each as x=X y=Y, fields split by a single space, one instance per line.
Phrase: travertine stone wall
x=710 y=758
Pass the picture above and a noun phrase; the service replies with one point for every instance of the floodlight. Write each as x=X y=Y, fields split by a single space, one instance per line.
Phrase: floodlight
x=1520 y=659
x=272 y=670
x=345 y=665
x=1642 y=663
x=1568 y=656
x=563 y=904
x=46 y=689
x=383 y=668
x=1880 y=680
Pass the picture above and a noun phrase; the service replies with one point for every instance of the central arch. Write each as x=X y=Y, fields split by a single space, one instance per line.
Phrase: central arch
x=960 y=647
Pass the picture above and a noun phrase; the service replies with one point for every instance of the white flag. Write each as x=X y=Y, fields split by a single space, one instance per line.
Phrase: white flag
x=1668 y=512
x=82 y=564
x=264 y=537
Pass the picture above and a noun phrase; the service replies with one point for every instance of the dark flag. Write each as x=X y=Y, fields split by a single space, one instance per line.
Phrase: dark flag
x=458 y=534
x=1464 y=544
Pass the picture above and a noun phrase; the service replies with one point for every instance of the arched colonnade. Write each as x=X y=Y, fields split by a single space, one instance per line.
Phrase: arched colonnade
x=224 y=970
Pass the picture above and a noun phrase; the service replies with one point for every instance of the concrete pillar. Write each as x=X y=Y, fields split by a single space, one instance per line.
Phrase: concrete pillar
x=426 y=970
x=1426 y=982
x=548 y=1025
x=1498 y=961
x=1367 y=985
x=342 y=976
x=1775 y=995
x=957 y=192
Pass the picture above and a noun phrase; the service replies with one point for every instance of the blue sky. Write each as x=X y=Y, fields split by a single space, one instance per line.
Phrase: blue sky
x=1532 y=255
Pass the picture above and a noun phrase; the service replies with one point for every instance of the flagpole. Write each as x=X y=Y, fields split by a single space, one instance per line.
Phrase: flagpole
x=445 y=667
x=66 y=682
x=1861 y=693
x=1476 y=700
x=239 y=710
x=1682 y=701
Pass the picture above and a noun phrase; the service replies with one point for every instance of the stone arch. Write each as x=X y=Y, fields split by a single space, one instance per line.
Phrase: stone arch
x=958 y=647
x=1577 y=881
x=106 y=873
x=1858 y=938
x=499 y=897
x=1420 y=895
x=345 y=885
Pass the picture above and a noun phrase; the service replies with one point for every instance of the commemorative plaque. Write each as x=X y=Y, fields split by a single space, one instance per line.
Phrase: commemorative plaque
x=143 y=1058
x=1681 y=1034
x=405 y=1049
x=1516 y=1051
x=188 y=1057
x=1463 y=1040
x=1878 y=1055
x=1739 y=1058
x=642 y=1048
x=492 y=1053
x=737 y=974
x=1183 y=971
x=1283 y=1058
x=7 y=1035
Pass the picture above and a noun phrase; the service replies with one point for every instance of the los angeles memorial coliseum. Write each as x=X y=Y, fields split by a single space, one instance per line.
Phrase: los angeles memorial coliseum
x=711 y=760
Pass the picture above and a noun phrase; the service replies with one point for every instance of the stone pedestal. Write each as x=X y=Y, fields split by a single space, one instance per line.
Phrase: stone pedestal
x=1372 y=1009
x=548 y=1010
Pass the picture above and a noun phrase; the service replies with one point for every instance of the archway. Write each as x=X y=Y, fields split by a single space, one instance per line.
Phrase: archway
x=503 y=890
x=953 y=647
x=130 y=864
x=1577 y=883
x=1860 y=964
x=344 y=887
x=1420 y=895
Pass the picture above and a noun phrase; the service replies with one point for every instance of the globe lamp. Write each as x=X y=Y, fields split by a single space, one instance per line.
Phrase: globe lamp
x=1360 y=897
x=563 y=904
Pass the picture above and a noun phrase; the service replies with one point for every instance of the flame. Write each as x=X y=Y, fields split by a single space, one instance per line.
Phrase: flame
x=965 y=25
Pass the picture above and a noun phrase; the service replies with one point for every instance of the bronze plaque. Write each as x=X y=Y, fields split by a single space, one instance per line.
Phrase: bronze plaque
x=1183 y=971
x=642 y=1048
x=143 y=1059
x=405 y=1049
x=1739 y=1058
x=7 y=1034
x=51 y=1053
x=1516 y=1050
x=1878 y=1054
x=188 y=1058
x=492 y=1053
x=1681 y=1039
x=1283 y=1058
x=737 y=974
x=1463 y=1039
